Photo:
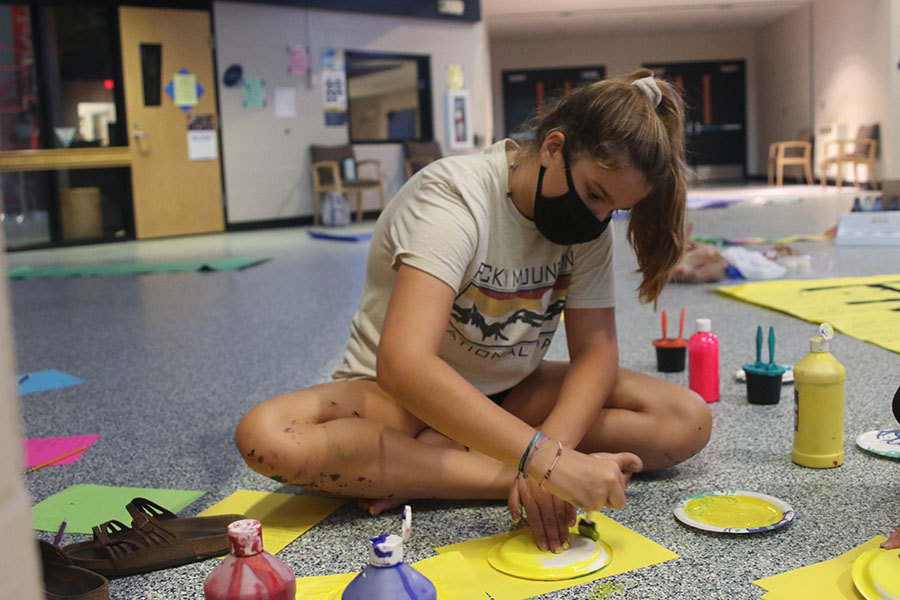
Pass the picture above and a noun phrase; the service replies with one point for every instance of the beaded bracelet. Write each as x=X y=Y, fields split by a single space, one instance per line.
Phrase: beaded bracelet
x=559 y=448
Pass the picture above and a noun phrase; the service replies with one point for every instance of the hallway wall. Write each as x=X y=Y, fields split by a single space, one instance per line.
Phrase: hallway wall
x=266 y=159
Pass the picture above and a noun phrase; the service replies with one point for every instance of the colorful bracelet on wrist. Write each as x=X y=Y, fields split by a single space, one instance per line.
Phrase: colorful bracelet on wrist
x=532 y=448
x=559 y=449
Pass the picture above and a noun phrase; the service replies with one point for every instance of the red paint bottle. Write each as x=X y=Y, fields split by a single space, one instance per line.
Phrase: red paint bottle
x=249 y=572
x=703 y=362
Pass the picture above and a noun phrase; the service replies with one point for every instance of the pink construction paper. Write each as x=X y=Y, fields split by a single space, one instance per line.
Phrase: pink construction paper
x=40 y=450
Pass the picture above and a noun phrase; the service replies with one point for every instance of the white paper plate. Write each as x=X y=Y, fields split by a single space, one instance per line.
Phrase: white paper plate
x=787 y=377
x=734 y=511
x=885 y=442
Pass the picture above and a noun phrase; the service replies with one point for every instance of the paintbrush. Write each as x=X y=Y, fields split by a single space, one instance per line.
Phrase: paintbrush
x=587 y=528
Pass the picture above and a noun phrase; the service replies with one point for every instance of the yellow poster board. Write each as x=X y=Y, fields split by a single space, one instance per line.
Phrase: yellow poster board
x=630 y=551
x=284 y=517
x=867 y=308
x=826 y=580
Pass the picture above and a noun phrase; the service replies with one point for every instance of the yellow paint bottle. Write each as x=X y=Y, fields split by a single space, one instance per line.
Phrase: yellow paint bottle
x=819 y=406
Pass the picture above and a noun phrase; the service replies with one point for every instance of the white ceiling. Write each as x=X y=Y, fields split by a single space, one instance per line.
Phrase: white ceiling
x=507 y=19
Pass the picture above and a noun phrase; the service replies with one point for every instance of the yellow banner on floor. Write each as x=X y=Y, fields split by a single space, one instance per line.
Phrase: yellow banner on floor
x=867 y=308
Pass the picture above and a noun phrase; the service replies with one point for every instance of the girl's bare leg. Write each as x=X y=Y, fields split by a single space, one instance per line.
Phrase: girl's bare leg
x=350 y=439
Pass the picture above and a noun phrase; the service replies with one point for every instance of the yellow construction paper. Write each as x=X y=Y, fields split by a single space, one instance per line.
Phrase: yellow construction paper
x=861 y=307
x=827 y=580
x=630 y=551
x=450 y=574
x=284 y=517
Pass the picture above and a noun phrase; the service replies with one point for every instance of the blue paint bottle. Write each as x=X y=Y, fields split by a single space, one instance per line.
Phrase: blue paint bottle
x=387 y=577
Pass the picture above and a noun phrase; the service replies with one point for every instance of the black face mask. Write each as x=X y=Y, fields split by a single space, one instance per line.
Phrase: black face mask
x=565 y=219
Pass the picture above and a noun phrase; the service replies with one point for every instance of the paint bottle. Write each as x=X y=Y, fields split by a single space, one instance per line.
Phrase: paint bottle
x=249 y=572
x=703 y=362
x=819 y=405
x=387 y=577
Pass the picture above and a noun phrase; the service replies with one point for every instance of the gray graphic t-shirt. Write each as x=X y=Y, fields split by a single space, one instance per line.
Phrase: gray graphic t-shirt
x=454 y=221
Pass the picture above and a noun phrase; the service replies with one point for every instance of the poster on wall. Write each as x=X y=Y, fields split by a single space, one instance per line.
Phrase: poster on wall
x=254 y=92
x=201 y=138
x=459 y=126
x=298 y=60
x=184 y=90
x=285 y=103
x=334 y=87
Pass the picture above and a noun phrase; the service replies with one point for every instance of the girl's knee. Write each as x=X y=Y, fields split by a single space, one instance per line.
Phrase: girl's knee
x=692 y=417
x=265 y=439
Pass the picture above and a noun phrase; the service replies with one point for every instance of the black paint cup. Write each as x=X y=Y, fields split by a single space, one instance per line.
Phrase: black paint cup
x=670 y=359
x=763 y=388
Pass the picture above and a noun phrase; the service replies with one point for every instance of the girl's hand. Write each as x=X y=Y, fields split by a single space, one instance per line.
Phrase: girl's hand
x=893 y=541
x=548 y=516
x=593 y=481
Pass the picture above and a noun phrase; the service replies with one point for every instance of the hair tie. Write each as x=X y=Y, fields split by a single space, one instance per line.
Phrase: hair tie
x=648 y=86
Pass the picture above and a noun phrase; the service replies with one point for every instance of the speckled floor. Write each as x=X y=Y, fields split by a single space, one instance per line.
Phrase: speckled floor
x=172 y=361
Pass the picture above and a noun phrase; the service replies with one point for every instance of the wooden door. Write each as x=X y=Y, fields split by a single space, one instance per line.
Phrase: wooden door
x=167 y=60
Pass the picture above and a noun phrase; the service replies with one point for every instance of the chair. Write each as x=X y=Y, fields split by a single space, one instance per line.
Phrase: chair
x=419 y=154
x=860 y=150
x=335 y=169
x=789 y=153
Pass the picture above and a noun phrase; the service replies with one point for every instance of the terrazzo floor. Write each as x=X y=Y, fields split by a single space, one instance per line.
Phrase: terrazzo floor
x=171 y=362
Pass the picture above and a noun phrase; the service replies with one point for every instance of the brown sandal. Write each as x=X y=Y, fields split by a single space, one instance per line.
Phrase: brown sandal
x=65 y=581
x=157 y=539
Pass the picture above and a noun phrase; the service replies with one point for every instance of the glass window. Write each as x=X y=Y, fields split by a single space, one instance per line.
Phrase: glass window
x=80 y=68
x=388 y=97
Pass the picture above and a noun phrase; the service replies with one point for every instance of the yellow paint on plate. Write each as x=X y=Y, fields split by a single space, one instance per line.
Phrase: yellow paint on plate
x=876 y=574
x=520 y=557
x=733 y=512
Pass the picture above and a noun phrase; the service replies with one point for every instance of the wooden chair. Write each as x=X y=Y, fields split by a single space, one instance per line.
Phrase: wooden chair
x=859 y=151
x=419 y=154
x=335 y=169
x=789 y=153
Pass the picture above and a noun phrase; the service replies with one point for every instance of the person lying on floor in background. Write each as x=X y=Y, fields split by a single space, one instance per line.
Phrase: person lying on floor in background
x=444 y=391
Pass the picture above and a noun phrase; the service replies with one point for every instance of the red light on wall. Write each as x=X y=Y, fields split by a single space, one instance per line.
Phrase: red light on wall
x=109 y=84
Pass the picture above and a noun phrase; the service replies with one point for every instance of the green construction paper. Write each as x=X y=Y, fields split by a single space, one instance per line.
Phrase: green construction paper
x=235 y=263
x=86 y=505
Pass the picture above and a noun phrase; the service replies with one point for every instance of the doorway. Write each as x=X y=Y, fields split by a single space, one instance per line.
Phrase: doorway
x=715 y=126
x=170 y=100
x=526 y=91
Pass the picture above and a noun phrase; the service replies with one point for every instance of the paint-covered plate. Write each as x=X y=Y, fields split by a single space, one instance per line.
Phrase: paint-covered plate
x=520 y=557
x=875 y=574
x=734 y=511
x=885 y=442
x=786 y=377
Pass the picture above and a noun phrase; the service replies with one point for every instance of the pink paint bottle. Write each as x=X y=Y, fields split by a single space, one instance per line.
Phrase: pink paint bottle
x=703 y=362
x=249 y=572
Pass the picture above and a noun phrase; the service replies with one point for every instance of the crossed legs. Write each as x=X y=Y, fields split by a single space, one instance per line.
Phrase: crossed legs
x=350 y=439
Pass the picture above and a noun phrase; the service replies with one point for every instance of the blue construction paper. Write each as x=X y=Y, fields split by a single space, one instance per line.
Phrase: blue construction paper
x=41 y=381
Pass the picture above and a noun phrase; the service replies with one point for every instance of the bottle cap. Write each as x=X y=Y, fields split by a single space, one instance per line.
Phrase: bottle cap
x=704 y=325
x=386 y=550
x=245 y=537
x=818 y=344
